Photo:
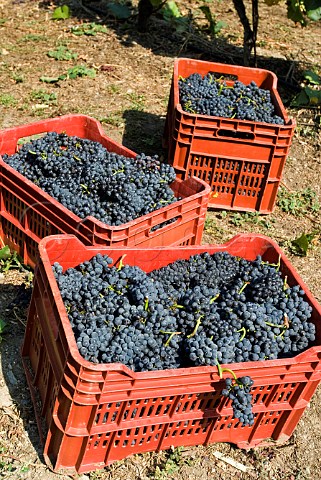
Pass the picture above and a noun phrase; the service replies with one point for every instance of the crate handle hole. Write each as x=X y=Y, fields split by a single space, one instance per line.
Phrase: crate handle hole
x=166 y=224
x=222 y=132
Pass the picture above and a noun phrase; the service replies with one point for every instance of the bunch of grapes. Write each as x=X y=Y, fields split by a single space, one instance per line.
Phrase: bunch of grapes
x=89 y=180
x=238 y=391
x=210 y=96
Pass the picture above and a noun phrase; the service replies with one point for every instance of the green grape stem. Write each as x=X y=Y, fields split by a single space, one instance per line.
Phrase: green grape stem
x=285 y=283
x=171 y=335
x=227 y=370
x=275 y=325
x=244 y=333
x=243 y=287
x=175 y=305
x=276 y=265
x=121 y=263
x=146 y=304
x=214 y=298
x=198 y=322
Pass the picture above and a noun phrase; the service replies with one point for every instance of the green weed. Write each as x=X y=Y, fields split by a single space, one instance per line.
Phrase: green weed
x=299 y=202
x=7 y=100
x=113 y=119
x=43 y=96
x=166 y=100
x=81 y=71
x=171 y=465
x=112 y=88
x=239 y=219
x=302 y=244
x=18 y=78
x=10 y=260
x=72 y=73
x=62 y=53
x=90 y=29
x=209 y=224
x=61 y=13
x=138 y=101
x=31 y=37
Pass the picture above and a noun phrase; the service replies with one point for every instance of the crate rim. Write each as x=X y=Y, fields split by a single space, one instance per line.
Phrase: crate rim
x=288 y=121
x=63 y=118
x=155 y=374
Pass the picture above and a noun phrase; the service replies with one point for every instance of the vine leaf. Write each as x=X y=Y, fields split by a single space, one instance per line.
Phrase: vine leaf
x=312 y=77
x=61 y=13
x=119 y=11
x=307 y=96
x=295 y=12
x=4 y=253
x=313 y=9
x=300 y=245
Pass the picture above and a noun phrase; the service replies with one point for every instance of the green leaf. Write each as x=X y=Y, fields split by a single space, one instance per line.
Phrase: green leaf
x=314 y=96
x=219 y=25
x=5 y=253
x=81 y=71
x=300 y=245
x=295 y=12
x=312 y=77
x=62 y=53
x=300 y=99
x=156 y=3
x=61 y=13
x=49 y=79
x=90 y=29
x=215 y=26
x=171 y=10
x=313 y=9
x=314 y=15
x=181 y=24
x=3 y=325
x=121 y=12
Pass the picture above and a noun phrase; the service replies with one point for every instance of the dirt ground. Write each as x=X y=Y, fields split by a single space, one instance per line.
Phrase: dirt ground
x=129 y=94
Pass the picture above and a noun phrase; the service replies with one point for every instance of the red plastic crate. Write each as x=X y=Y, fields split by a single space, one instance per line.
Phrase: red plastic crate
x=96 y=414
x=28 y=214
x=241 y=160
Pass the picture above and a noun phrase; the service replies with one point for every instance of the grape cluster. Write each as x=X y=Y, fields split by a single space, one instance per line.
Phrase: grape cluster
x=89 y=180
x=210 y=96
x=207 y=310
x=238 y=391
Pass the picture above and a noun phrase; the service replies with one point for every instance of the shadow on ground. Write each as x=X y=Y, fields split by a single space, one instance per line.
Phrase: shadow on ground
x=161 y=38
x=14 y=301
x=143 y=132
